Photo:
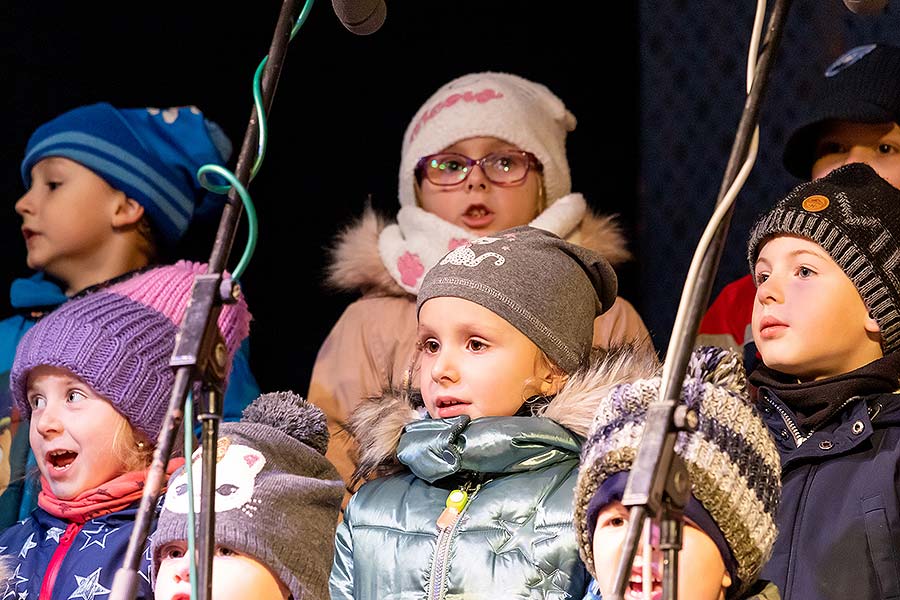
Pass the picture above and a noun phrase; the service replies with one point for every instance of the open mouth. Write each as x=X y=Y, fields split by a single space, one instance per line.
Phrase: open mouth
x=61 y=460
x=635 y=590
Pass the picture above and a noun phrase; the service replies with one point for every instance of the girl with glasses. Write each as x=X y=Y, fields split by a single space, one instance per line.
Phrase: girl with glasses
x=486 y=152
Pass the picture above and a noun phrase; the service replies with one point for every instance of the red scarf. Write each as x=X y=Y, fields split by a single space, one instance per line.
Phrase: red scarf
x=108 y=498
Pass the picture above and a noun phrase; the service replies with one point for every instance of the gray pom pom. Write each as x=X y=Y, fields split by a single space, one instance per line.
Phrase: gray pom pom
x=291 y=414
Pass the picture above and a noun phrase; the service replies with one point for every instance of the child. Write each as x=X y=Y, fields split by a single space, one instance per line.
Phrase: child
x=857 y=119
x=732 y=462
x=487 y=151
x=109 y=192
x=274 y=526
x=476 y=500
x=94 y=380
x=826 y=321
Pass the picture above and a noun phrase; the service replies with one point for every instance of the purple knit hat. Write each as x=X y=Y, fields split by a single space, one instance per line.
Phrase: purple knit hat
x=119 y=340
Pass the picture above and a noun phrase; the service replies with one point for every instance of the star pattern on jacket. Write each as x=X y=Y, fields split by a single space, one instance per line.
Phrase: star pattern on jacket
x=524 y=536
x=552 y=585
x=97 y=536
x=28 y=545
x=12 y=584
x=88 y=587
x=54 y=533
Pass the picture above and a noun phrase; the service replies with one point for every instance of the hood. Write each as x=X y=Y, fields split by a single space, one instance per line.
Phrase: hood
x=355 y=263
x=378 y=423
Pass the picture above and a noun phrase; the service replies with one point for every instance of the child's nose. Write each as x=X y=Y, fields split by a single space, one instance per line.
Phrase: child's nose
x=25 y=204
x=47 y=420
x=183 y=568
x=769 y=290
x=444 y=368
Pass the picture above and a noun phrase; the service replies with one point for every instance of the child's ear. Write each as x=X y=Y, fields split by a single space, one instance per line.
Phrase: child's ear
x=552 y=383
x=872 y=325
x=128 y=211
x=726 y=580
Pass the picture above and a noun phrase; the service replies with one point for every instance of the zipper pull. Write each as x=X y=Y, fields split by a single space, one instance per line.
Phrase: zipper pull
x=454 y=505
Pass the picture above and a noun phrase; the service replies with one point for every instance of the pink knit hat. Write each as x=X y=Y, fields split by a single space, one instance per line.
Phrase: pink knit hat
x=119 y=340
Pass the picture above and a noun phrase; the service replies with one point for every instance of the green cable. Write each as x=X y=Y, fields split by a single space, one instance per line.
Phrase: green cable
x=238 y=271
x=260 y=155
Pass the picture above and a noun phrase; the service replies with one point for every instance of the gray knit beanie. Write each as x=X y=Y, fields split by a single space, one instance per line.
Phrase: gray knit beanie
x=732 y=461
x=855 y=216
x=277 y=499
x=547 y=288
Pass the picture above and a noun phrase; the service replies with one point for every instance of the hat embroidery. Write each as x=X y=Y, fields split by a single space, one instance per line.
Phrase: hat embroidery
x=235 y=480
x=848 y=58
x=485 y=95
x=815 y=203
x=464 y=256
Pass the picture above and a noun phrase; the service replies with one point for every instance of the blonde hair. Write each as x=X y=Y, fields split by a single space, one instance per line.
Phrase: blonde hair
x=134 y=450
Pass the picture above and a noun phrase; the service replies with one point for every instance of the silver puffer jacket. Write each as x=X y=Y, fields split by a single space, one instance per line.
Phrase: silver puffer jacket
x=513 y=540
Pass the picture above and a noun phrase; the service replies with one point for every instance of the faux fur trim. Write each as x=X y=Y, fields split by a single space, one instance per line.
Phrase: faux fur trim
x=355 y=263
x=378 y=423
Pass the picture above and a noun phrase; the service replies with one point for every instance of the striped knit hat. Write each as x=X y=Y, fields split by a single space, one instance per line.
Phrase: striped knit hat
x=731 y=459
x=854 y=215
x=151 y=155
x=119 y=340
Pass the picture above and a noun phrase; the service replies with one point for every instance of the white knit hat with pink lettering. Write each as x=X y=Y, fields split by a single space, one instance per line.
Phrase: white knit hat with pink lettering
x=488 y=104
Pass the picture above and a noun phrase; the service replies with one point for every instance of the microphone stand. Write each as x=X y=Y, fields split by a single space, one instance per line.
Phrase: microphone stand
x=200 y=354
x=658 y=484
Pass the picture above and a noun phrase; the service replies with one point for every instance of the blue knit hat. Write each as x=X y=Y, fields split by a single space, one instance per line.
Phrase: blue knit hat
x=152 y=155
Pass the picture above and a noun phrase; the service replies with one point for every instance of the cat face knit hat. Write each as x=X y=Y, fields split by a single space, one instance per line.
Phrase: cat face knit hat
x=283 y=496
x=731 y=460
x=501 y=105
x=547 y=288
x=119 y=340
x=151 y=155
x=854 y=215
x=861 y=86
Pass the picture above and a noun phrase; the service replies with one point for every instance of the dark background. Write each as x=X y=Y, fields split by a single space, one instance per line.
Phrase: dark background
x=657 y=88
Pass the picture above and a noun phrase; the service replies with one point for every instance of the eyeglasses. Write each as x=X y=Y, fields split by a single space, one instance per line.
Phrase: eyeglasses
x=502 y=168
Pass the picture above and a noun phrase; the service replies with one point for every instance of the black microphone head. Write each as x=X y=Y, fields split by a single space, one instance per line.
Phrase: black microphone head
x=361 y=17
x=866 y=7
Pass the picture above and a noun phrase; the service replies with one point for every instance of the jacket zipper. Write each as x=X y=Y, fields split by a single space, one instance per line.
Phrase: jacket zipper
x=439 y=566
x=65 y=542
x=799 y=438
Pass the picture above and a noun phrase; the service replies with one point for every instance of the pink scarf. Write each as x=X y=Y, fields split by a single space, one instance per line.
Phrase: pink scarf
x=108 y=498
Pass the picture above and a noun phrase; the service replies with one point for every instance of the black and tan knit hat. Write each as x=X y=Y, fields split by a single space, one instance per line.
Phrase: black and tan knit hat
x=854 y=215
x=549 y=289
x=731 y=459
x=277 y=497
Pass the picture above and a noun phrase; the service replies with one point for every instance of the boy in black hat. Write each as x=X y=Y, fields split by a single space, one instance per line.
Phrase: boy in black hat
x=856 y=120
x=826 y=320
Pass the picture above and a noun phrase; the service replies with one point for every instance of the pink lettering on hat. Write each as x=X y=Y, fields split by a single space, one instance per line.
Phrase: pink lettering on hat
x=485 y=95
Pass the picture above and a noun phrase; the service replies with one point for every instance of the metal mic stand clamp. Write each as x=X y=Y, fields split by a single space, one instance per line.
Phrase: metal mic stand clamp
x=658 y=486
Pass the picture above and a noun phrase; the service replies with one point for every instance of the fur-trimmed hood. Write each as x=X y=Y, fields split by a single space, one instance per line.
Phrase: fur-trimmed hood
x=356 y=265
x=378 y=423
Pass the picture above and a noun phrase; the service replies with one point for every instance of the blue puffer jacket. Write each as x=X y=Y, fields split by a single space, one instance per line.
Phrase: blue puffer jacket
x=839 y=517
x=514 y=539
x=69 y=560
x=32 y=298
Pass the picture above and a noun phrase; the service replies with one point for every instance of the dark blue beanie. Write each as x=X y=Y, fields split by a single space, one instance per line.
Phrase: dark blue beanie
x=150 y=154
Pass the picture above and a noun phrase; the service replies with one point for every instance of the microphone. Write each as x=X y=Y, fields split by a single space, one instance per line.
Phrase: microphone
x=866 y=7
x=361 y=17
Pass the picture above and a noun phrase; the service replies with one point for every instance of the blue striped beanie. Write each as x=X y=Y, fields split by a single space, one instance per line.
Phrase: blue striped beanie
x=731 y=459
x=150 y=154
